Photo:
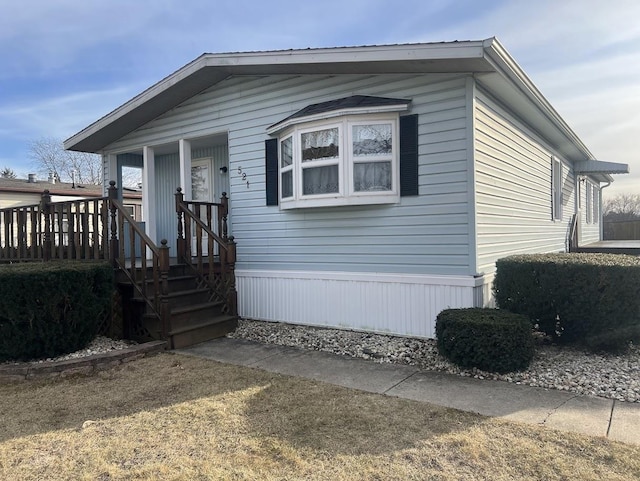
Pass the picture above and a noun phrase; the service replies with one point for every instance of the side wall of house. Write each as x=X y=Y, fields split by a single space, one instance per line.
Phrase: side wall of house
x=341 y=266
x=513 y=190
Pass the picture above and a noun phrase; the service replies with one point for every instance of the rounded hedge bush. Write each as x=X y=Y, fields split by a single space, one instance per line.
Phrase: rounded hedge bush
x=489 y=339
x=52 y=308
x=575 y=298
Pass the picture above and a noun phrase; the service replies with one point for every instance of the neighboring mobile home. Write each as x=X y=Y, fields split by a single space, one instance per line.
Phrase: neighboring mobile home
x=23 y=192
x=369 y=187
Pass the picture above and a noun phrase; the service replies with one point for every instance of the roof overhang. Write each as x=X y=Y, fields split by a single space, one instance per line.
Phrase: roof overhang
x=210 y=69
x=494 y=69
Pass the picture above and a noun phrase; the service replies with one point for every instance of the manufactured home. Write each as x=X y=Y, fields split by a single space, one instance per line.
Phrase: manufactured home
x=364 y=187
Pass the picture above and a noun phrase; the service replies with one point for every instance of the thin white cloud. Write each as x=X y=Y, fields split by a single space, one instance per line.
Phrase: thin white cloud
x=59 y=116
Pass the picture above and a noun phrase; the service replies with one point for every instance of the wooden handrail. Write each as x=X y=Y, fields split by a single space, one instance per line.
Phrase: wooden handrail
x=139 y=275
x=222 y=285
x=193 y=217
x=135 y=227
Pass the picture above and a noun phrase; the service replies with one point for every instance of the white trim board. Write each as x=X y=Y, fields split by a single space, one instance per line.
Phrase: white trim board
x=398 y=304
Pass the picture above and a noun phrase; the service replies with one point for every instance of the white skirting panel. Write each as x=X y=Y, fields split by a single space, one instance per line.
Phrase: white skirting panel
x=386 y=303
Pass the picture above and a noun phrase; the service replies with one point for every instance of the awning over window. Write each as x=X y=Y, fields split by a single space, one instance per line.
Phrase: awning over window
x=600 y=170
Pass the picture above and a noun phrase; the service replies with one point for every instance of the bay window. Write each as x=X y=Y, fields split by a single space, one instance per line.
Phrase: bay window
x=348 y=160
x=346 y=151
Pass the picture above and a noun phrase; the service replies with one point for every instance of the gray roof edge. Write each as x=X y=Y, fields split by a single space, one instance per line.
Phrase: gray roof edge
x=327 y=56
x=381 y=53
x=151 y=92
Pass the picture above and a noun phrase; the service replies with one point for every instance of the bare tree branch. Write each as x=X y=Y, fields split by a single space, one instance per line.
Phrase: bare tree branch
x=49 y=157
x=7 y=173
x=622 y=207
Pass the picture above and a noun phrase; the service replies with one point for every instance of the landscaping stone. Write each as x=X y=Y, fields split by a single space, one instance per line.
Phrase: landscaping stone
x=553 y=367
x=101 y=354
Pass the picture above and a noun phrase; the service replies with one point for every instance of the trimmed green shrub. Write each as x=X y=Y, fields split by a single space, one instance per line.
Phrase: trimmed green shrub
x=49 y=309
x=488 y=339
x=576 y=298
x=614 y=341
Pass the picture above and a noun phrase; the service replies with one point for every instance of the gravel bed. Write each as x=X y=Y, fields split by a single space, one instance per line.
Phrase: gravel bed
x=99 y=345
x=565 y=369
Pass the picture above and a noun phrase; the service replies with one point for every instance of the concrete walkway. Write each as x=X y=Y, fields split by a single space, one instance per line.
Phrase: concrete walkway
x=556 y=409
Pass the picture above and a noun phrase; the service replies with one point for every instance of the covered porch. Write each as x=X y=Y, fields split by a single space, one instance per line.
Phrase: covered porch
x=200 y=166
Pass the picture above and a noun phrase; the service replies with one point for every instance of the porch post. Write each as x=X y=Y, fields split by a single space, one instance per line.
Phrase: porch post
x=110 y=161
x=149 y=192
x=185 y=168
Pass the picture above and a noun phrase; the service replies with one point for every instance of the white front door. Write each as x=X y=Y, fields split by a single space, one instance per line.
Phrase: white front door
x=202 y=190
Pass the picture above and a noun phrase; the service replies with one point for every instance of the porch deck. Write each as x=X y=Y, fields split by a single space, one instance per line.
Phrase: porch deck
x=631 y=247
x=183 y=299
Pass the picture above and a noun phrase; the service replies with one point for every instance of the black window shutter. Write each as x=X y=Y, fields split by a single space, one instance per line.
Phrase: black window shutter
x=409 y=155
x=271 y=170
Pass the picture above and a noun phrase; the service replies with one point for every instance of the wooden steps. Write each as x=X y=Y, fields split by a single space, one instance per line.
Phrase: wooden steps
x=195 y=316
x=202 y=331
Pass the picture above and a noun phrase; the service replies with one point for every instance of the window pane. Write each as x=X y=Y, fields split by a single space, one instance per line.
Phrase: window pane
x=371 y=140
x=371 y=176
x=320 y=180
x=287 y=184
x=286 y=152
x=321 y=144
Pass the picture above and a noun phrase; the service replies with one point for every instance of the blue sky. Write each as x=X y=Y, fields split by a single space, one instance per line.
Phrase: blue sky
x=65 y=63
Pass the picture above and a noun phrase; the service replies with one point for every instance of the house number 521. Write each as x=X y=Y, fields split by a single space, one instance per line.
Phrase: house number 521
x=243 y=175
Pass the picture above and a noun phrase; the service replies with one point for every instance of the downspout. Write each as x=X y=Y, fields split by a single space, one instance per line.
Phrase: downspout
x=577 y=211
x=600 y=210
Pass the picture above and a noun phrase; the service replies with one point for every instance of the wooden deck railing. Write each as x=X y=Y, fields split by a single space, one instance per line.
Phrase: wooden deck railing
x=202 y=248
x=55 y=230
x=92 y=229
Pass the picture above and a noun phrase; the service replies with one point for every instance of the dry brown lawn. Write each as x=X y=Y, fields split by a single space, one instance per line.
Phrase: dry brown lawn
x=171 y=417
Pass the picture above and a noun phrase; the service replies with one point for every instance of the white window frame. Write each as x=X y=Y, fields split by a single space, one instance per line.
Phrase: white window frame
x=556 y=189
x=595 y=215
x=588 y=202
x=282 y=170
x=300 y=166
x=346 y=161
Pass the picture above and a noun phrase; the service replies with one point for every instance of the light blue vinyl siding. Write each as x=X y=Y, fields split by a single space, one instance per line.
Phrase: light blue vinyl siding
x=167 y=180
x=513 y=188
x=426 y=234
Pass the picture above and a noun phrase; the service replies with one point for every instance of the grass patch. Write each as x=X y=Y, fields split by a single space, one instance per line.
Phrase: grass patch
x=174 y=417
